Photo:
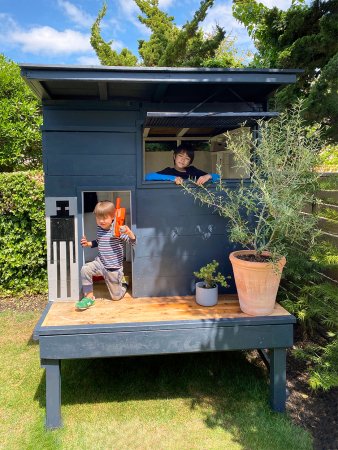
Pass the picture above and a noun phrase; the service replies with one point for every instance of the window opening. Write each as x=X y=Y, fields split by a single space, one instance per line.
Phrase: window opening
x=210 y=153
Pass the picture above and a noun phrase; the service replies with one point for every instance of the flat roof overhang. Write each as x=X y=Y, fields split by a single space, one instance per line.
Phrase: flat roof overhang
x=154 y=84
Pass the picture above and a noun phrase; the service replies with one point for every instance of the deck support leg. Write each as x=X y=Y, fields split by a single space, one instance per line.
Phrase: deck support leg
x=53 y=392
x=277 y=361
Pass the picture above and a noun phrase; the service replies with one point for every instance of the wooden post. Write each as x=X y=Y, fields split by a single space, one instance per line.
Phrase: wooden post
x=277 y=379
x=53 y=392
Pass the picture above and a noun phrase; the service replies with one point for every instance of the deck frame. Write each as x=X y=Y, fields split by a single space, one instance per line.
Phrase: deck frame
x=271 y=333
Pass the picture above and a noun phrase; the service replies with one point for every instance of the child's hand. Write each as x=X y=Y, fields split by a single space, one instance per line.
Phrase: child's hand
x=178 y=180
x=126 y=230
x=84 y=242
x=203 y=179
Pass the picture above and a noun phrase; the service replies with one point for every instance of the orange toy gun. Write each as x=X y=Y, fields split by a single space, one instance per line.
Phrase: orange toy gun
x=120 y=215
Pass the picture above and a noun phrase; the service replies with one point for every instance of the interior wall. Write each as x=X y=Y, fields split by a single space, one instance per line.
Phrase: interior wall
x=89 y=222
x=155 y=161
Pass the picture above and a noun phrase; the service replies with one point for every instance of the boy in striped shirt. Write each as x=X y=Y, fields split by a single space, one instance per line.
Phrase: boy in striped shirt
x=109 y=262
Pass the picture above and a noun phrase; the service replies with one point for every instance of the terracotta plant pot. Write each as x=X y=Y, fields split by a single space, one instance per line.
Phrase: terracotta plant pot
x=256 y=282
x=204 y=296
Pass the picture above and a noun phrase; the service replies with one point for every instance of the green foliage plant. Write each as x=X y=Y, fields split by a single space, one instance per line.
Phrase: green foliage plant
x=169 y=45
x=106 y=54
x=264 y=213
x=304 y=36
x=20 y=121
x=209 y=276
x=313 y=298
x=22 y=233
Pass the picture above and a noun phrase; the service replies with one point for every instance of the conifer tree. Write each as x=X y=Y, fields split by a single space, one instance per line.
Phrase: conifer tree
x=106 y=54
x=168 y=44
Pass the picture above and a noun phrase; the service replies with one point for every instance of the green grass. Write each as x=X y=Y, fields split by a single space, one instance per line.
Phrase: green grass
x=202 y=401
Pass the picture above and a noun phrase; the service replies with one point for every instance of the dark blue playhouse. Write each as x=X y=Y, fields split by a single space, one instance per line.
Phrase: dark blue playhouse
x=104 y=129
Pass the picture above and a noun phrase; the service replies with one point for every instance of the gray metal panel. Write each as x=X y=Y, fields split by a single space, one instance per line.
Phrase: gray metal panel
x=100 y=345
x=208 y=119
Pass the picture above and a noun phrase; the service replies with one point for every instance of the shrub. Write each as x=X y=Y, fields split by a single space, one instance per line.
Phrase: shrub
x=266 y=213
x=22 y=233
x=209 y=276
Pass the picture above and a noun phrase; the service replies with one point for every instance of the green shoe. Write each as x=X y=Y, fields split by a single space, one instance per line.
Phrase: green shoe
x=85 y=303
x=125 y=281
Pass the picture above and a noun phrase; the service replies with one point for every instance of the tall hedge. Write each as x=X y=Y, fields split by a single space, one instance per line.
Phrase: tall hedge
x=23 y=267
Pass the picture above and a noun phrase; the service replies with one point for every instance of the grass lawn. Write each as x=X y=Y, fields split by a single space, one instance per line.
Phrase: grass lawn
x=200 y=401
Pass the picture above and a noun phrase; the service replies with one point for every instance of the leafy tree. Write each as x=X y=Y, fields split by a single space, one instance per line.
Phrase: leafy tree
x=168 y=44
x=305 y=37
x=20 y=120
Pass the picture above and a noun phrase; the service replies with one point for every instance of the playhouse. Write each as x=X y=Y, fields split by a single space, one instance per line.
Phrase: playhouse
x=105 y=128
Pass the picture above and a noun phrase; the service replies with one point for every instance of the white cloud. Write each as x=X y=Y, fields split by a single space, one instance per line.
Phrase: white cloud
x=76 y=15
x=222 y=15
x=47 y=40
x=88 y=61
x=165 y=3
x=131 y=11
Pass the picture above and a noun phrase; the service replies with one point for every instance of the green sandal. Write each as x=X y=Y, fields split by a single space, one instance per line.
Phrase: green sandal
x=85 y=303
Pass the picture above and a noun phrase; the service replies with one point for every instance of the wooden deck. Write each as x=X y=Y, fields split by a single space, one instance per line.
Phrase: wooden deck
x=140 y=310
x=152 y=326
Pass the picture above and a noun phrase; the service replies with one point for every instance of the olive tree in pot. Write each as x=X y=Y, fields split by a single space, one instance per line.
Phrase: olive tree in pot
x=264 y=213
x=207 y=289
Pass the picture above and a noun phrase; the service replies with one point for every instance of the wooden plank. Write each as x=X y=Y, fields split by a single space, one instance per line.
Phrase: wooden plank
x=104 y=164
x=165 y=341
x=82 y=143
x=140 y=310
x=328 y=196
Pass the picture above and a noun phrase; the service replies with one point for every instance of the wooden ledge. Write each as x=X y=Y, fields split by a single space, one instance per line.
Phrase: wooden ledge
x=147 y=310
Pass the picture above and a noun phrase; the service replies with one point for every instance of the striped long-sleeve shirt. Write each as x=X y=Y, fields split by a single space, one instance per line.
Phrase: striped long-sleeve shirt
x=110 y=247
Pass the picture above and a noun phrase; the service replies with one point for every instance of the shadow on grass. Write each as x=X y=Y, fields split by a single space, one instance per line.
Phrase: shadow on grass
x=231 y=392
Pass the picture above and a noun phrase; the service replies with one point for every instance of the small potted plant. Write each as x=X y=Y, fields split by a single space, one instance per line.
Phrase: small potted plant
x=264 y=214
x=207 y=289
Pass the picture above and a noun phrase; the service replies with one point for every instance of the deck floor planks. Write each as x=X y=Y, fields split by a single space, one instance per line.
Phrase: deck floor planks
x=149 y=309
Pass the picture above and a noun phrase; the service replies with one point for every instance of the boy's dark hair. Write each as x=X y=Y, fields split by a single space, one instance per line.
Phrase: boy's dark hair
x=185 y=148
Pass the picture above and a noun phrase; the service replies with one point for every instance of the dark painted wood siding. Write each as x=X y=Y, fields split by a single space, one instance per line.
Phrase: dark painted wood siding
x=88 y=148
x=102 y=149
x=176 y=236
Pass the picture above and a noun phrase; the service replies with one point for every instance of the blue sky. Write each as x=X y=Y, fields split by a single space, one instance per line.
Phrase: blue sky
x=58 y=31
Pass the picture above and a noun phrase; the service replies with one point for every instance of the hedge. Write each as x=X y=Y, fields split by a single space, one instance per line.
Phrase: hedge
x=23 y=256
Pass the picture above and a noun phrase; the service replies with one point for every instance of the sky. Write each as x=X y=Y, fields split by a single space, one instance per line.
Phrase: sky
x=58 y=31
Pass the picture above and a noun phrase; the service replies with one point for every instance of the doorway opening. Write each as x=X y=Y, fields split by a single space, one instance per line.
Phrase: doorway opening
x=89 y=227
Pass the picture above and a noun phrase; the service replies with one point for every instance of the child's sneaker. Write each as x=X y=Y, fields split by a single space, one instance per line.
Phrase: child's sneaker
x=125 y=281
x=85 y=303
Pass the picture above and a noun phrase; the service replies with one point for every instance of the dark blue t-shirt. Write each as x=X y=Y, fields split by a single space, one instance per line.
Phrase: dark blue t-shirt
x=191 y=172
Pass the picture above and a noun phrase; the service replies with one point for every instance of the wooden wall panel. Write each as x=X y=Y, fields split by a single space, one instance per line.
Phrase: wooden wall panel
x=56 y=118
x=176 y=236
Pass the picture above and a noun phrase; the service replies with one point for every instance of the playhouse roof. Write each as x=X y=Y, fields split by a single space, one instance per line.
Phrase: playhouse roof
x=154 y=84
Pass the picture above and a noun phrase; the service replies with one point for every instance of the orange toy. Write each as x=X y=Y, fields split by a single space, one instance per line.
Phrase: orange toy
x=120 y=215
